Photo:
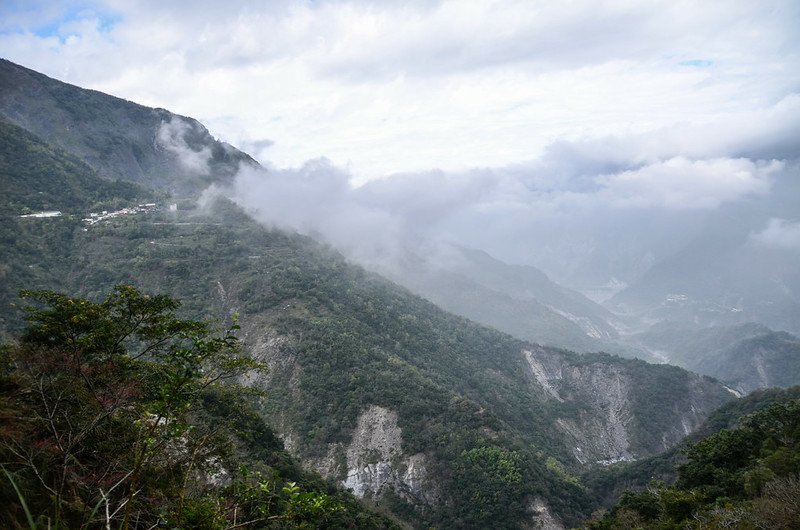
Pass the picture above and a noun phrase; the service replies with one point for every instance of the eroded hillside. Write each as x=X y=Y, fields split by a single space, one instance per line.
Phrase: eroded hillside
x=437 y=419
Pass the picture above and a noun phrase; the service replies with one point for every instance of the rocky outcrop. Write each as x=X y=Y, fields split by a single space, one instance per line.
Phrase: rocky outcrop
x=543 y=518
x=606 y=422
x=375 y=460
x=547 y=371
x=601 y=432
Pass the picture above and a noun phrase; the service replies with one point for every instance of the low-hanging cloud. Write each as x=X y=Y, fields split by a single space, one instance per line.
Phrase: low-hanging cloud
x=615 y=204
x=779 y=233
x=550 y=213
x=256 y=148
x=680 y=183
x=317 y=199
x=172 y=137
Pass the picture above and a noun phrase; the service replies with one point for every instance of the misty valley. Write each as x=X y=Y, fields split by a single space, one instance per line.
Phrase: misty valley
x=192 y=338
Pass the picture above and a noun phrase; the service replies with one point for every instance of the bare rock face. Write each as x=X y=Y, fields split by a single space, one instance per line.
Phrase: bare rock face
x=375 y=460
x=601 y=433
x=543 y=519
x=376 y=443
x=605 y=428
x=547 y=371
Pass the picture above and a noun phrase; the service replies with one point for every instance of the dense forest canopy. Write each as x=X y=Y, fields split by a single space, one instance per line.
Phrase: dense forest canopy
x=120 y=414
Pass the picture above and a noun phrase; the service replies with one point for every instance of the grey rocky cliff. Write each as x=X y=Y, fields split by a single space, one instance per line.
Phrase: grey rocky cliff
x=543 y=518
x=603 y=430
x=373 y=462
x=375 y=459
x=599 y=434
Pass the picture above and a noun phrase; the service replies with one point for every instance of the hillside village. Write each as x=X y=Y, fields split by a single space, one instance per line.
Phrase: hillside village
x=104 y=215
x=133 y=210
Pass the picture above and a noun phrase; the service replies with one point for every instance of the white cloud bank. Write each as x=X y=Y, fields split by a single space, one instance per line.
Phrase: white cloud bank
x=780 y=233
x=172 y=137
x=384 y=87
x=545 y=132
x=680 y=183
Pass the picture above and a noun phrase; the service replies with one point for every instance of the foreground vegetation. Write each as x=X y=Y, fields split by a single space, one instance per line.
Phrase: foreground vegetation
x=747 y=477
x=119 y=414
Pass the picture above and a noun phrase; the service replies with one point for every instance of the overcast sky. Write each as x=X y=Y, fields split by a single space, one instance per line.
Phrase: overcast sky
x=384 y=87
x=502 y=114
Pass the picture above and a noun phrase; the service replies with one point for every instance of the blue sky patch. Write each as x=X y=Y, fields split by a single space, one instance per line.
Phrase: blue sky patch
x=20 y=16
x=697 y=63
x=106 y=21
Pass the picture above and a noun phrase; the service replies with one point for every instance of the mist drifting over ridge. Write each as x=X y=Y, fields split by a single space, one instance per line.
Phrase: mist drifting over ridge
x=592 y=140
x=640 y=198
x=338 y=340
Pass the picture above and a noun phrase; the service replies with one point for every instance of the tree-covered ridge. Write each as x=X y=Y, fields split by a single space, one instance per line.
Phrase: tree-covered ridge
x=117 y=138
x=119 y=414
x=746 y=477
x=36 y=176
x=460 y=390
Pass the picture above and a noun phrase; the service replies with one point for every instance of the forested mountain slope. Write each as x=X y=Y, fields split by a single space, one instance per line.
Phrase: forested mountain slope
x=741 y=472
x=38 y=177
x=382 y=390
x=745 y=356
x=117 y=138
x=440 y=420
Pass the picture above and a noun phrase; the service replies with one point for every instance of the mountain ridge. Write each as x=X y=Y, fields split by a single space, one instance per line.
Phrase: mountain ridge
x=379 y=388
x=120 y=139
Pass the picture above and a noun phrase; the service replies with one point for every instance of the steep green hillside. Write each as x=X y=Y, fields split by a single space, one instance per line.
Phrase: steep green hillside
x=117 y=138
x=38 y=177
x=35 y=177
x=742 y=477
x=460 y=420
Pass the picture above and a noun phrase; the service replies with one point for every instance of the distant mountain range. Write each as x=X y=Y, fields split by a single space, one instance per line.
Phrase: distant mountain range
x=745 y=356
x=519 y=300
x=720 y=281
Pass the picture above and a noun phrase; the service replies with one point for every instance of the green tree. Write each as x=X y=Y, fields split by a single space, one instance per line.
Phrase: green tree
x=101 y=398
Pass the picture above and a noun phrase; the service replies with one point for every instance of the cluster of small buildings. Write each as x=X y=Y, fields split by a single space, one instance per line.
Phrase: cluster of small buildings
x=53 y=213
x=105 y=214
